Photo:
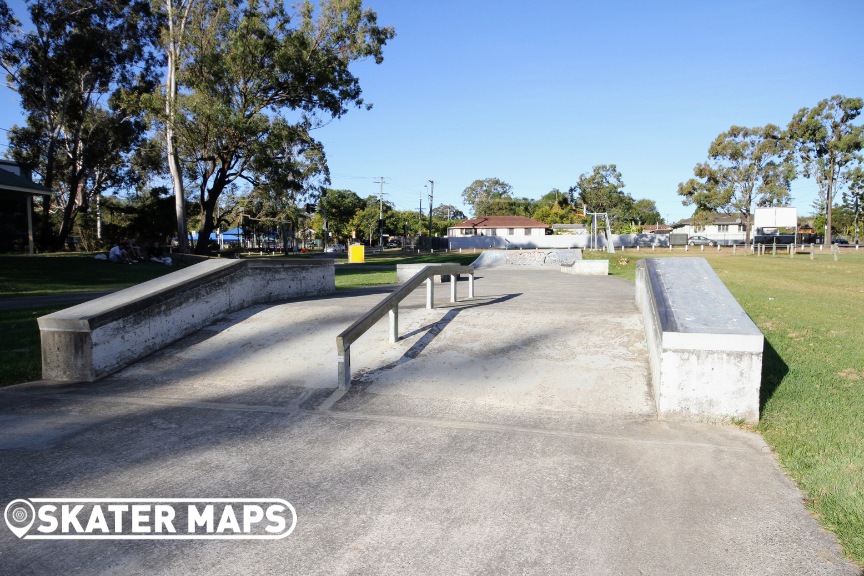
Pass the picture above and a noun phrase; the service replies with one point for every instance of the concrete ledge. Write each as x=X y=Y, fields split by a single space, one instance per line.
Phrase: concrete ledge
x=91 y=340
x=527 y=258
x=587 y=268
x=705 y=353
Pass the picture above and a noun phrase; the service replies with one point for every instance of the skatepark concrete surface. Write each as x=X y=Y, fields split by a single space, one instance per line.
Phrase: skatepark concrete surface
x=514 y=433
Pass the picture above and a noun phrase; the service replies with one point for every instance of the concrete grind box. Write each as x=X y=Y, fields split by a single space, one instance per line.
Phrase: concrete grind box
x=704 y=351
x=96 y=338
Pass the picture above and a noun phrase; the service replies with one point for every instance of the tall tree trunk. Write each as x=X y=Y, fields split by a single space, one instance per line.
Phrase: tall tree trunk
x=173 y=161
x=46 y=235
x=208 y=209
x=77 y=191
x=828 y=201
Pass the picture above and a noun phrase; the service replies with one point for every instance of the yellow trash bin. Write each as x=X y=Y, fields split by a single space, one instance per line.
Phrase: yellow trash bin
x=356 y=253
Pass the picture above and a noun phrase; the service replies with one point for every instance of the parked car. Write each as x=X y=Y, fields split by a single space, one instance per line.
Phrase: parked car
x=839 y=241
x=394 y=244
x=335 y=248
x=700 y=241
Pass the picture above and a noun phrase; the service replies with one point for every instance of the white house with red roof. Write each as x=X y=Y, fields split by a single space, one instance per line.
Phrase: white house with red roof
x=498 y=226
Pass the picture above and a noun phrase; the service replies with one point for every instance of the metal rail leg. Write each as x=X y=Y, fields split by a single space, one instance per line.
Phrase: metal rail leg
x=393 y=314
x=430 y=293
x=344 y=369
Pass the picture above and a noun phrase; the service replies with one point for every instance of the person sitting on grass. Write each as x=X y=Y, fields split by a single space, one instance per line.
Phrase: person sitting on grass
x=119 y=254
x=156 y=254
x=134 y=252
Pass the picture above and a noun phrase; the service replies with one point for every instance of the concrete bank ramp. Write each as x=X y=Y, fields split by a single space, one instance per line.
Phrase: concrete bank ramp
x=509 y=435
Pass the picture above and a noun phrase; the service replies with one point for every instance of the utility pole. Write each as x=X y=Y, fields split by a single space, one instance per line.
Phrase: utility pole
x=420 y=217
x=857 y=208
x=431 y=194
x=380 y=213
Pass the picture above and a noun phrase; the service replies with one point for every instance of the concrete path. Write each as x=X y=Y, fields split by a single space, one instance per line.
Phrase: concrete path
x=510 y=434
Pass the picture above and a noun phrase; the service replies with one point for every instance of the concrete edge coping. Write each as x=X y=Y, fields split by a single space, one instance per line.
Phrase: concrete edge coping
x=687 y=324
x=586 y=268
x=704 y=351
x=90 y=315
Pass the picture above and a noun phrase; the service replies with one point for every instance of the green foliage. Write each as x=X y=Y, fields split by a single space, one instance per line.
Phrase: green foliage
x=448 y=212
x=481 y=193
x=646 y=212
x=746 y=165
x=255 y=80
x=602 y=190
x=79 y=71
x=340 y=207
x=557 y=214
x=827 y=144
x=20 y=353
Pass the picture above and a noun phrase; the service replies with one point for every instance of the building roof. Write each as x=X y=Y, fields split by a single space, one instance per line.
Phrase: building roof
x=14 y=183
x=500 y=222
x=656 y=227
x=715 y=219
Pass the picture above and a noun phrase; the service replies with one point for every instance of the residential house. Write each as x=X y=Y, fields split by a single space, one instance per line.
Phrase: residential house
x=498 y=226
x=16 y=207
x=724 y=229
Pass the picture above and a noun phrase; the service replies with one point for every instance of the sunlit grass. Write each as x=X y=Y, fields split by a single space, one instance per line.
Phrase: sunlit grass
x=811 y=313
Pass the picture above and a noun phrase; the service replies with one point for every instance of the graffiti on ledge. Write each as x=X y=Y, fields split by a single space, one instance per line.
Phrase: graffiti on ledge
x=538 y=258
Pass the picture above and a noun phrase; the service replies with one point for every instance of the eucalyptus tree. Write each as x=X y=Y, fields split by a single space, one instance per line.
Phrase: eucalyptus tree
x=602 y=190
x=855 y=197
x=177 y=16
x=480 y=194
x=827 y=143
x=253 y=80
x=79 y=70
x=746 y=165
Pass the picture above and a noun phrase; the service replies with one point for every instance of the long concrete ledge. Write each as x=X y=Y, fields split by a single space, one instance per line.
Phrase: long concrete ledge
x=91 y=340
x=527 y=258
x=587 y=268
x=704 y=351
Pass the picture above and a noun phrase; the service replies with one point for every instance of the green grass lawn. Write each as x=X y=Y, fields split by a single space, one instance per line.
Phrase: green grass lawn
x=811 y=313
x=20 y=356
x=41 y=275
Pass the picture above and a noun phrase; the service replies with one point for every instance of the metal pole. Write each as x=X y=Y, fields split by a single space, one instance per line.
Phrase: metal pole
x=430 y=293
x=393 y=315
x=30 y=248
x=431 y=195
x=344 y=369
x=453 y=278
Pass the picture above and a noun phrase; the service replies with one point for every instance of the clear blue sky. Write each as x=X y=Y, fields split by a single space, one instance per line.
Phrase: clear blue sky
x=537 y=94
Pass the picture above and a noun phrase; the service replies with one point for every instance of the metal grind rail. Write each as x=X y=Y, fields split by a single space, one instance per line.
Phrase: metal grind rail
x=390 y=307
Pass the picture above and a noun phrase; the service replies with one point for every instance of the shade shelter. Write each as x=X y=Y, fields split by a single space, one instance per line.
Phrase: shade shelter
x=15 y=190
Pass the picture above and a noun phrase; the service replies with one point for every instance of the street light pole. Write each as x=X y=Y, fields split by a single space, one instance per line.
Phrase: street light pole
x=431 y=194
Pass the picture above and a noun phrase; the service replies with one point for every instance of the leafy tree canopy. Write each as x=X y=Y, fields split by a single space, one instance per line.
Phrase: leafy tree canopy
x=746 y=165
x=480 y=193
x=827 y=143
x=79 y=70
x=255 y=79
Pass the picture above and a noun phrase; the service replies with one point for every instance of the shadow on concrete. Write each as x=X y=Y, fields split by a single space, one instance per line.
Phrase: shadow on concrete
x=774 y=369
x=432 y=332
